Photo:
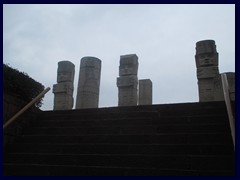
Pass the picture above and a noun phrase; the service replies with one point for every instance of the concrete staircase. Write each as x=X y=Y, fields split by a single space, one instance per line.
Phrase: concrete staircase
x=190 y=139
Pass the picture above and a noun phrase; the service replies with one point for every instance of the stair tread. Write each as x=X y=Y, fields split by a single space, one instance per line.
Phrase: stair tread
x=169 y=139
x=73 y=170
x=117 y=155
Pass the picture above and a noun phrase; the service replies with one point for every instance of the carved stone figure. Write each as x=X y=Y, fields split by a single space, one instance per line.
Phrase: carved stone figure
x=63 y=90
x=89 y=83
x=127 y=81
x=206 y=53
x=209 y=81
x=145 y=92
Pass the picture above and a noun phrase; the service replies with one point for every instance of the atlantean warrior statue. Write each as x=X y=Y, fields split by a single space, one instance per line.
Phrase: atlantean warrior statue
x=209 y=79
x=63 y=90
x=127 y=83
x=89 y=83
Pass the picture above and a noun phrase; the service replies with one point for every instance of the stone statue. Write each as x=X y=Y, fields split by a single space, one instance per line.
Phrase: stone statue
x=89 y=83
x=63 y=90
x=206 y=54
x=127 y=81
x=209 y=80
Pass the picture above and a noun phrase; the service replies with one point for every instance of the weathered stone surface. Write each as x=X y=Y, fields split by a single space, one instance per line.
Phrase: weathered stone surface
x=66 y=87
x=218 y=89
x=209 y=80
x=206 y=90
x=89 y=83
x=210 y=89
x=63 y=101
x=63 y=90
x=127 y=93
x=206 y=53
x=128 y=81
x=145 y=92
x=231 y=84
x=65 y=72
x=127 y=96
x=207 y=72
x=128 y=65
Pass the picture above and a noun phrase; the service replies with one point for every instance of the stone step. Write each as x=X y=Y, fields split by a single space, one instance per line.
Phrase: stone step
x=129 y=129
x=130 y=114
x=181 y=109
x=64 y=170
x=164 y=138
x=96 y=115
x=69 y=121
x=208 y=106
x=171 y=139
x=186 y=162
x=112 y=148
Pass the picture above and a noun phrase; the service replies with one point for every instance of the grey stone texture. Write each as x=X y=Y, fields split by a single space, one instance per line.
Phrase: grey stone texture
x=63 y=90
x=145 y=92
x=127 y=82
x=89 y=83
x=209 y=79
x=207 y=72
x=231 y=84
x=206 y=54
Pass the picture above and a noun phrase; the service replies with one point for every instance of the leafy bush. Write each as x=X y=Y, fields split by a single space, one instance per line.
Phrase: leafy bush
x=20 y=84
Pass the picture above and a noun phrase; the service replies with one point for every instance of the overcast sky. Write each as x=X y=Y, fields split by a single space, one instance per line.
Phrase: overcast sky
x=36 y=37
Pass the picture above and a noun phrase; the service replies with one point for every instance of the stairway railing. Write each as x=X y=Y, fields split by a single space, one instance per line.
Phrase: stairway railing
x=227 y=99
x=25 y=108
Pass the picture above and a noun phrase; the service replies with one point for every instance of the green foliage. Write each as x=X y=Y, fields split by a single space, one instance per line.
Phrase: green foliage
x=20 y=84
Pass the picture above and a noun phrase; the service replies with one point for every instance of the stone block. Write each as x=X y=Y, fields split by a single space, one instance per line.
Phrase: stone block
x=127 y=96
x=231 y=84
x=205 y=46
x=206 y=90
x=90 y=62
x=210 y=89
x=206 y=54
x=89 y=83
x=209 y=79
x=207 y=72
x=63 y=101
x=218 y=89
x=65 y=72
x=128 y=65
x=127 y=81
x=145 y=92
x=63 y=90
x=87 y=99
x=65 y=87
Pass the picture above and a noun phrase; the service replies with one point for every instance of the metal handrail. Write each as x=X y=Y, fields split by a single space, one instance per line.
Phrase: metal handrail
x=26 y=107
x=227 y=99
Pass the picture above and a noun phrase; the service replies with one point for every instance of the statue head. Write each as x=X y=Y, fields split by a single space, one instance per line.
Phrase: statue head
x=90 y=62
x=128 y=65
x=65 y=72
x=206 y=53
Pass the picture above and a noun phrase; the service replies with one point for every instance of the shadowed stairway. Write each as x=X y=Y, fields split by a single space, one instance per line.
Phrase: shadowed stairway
x=190 y=139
